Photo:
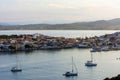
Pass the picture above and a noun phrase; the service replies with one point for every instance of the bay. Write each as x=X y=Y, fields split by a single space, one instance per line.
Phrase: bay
x=59 y=33
x=51 y=64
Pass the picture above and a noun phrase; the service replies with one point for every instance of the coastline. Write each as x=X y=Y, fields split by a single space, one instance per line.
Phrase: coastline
x=29 y=42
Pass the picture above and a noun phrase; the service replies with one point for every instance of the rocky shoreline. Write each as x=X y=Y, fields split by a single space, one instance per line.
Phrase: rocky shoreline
x=113 y=78
x=28 y=42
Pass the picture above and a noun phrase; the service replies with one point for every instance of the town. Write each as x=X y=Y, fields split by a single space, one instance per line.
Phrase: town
x=29 y=42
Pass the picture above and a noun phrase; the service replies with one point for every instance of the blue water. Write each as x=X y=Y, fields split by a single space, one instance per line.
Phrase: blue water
x=51 y=64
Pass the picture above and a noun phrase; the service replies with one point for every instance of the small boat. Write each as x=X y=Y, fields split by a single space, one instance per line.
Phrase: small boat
x=95 y=49
x=71 y=73
x=84 y=45
x=17 y=67
x=68 y=74
x=90 y=63
x=105 y=49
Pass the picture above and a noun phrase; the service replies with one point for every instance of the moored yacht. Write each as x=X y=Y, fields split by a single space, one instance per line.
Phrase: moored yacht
x=71 y=73
x=16 y=69
x=90 y=63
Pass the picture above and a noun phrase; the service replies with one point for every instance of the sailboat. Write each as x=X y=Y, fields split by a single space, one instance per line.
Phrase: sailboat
x=17 y=67
x=71 y=73
x=90 y=63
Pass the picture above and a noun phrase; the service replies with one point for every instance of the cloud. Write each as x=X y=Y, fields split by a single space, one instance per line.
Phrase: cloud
x=62 y=6
x=58 y=10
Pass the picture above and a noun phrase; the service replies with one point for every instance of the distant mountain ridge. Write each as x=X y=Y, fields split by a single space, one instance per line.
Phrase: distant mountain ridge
x=113 y=24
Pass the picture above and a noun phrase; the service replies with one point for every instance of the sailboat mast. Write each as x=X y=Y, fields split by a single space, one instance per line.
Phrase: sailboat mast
x=16 y=60
x=74 y=66
x=72 y=63
x=91 y=57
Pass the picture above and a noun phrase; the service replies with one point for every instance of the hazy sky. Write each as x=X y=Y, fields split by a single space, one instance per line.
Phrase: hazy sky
x=58 y=11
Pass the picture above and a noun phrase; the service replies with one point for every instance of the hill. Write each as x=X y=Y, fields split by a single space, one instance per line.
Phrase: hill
x=113 y=24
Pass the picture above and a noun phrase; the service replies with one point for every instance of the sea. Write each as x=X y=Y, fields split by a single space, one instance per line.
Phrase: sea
x=52 y=64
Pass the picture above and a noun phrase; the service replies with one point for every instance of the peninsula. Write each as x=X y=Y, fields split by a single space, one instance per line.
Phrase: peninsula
x=28 y=42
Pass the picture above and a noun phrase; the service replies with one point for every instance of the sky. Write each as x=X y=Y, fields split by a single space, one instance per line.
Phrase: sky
x=58 y=11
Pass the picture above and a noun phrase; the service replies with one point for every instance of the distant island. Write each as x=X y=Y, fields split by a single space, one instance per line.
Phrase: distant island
x=113 y=24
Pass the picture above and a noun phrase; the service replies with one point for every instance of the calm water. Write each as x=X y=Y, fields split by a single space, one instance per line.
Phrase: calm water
x=51 y=64
x=59 y=33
